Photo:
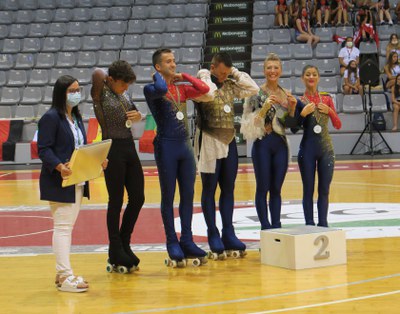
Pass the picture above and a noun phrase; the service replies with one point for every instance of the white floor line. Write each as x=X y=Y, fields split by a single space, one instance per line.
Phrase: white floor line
x=195 y=306
x=329 y=303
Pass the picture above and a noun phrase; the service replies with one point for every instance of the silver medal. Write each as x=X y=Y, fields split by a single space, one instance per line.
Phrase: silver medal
x=227 y=108
x=317 y=129
x=180 y=115
x=128 y=124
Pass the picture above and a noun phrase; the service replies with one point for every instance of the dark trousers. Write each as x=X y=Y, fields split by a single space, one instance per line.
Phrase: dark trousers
x=175 y=163
x=311 y=159
x=225 y=176
x=270 y=161
x=124 y=171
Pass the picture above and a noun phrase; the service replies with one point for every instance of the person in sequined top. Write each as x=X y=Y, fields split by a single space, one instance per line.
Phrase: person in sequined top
x=166 y=98
x=116 y=112
x=316 y=148
x=270 y=151
x=216 y=148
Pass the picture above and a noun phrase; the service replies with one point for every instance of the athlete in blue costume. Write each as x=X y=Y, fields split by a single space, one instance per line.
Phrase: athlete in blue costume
x=173 y=150
x=265 y=117
x=316 y=149
x=216 y=148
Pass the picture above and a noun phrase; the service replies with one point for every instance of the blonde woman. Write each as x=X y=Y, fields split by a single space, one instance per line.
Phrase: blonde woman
x=265 y=117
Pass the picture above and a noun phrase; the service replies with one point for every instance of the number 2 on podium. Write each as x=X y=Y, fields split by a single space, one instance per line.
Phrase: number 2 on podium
x=322 y=254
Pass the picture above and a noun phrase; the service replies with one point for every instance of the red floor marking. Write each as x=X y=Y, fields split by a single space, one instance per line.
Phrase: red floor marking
x=90 y=228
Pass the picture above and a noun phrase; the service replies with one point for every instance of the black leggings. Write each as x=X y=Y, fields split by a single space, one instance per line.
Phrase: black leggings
x=124 y=170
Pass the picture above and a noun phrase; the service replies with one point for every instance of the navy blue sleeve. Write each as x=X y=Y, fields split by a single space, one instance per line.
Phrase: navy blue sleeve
x=157 y=89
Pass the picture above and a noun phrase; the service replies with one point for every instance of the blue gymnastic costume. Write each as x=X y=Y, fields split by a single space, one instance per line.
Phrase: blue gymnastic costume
x=174 y=157
x=316 y=153
x=217 y=152
x=270 y=153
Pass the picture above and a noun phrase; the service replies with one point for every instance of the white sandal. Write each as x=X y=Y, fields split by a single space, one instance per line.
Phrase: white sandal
x=72 y=284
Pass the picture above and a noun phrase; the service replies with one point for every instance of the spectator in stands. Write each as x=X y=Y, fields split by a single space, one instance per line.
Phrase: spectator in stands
x=303 y=29
x=382 y=8
x=397 y=12
x=282 y=14
x=265 y=117
x=322 y=11
x=351 y=79
x=116 y=113
x=316 y=149
x=366 y=30
x=396 y=101
x=339 y=12
x=216 y=148
x=61 y=130
x=392 y=69
x=294 y=10
x=393 y=45
x=347 y=53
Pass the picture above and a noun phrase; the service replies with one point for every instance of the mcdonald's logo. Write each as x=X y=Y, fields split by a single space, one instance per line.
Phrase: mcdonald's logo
x=219 y=6
x=217 y=35
x=218 y=20
x=214 y=49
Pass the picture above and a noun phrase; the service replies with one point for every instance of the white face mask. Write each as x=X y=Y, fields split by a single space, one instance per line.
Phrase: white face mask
x=395 y=41
x=73 y=99
x=349 y=44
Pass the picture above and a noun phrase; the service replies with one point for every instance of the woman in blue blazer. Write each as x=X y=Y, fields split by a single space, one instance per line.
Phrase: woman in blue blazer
x=60 y=130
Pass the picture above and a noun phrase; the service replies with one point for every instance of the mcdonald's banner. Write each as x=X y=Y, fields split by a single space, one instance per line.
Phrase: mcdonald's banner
x=150 y=131
x=94 y=134
x=10 y=134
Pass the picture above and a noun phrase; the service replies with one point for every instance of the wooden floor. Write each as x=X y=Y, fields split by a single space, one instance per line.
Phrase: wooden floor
x=368 y=283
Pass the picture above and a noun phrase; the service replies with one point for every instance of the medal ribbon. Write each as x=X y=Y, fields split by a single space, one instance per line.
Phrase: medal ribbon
x=317 y=114
x=176 y=104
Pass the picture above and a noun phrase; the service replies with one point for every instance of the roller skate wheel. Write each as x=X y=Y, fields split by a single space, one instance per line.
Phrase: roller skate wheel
x=235 y=254
x=213 y=256
x=182 y=263
x=203 y=260
x=122 y=269
x=109 y=268
x=196 y=262
x=222 y=256
x=243 y=253
x=167 y=262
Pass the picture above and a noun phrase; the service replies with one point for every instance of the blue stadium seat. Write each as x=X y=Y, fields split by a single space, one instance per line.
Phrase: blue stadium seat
x=62 y=15
x=24 y=61
x=72 y=43
x=158 y=11
x=116 y=27
x=91 y=43
x=112 y=42
x=81 y=14
x=58 y=29
x=172 y=40
x=152 y=41
x=65 y=59
x=10 y=96
x=31 y=96
x=44 y=16
x=155 y=26
x=38 y=77
x=38 y=30
x=130 y=56
x=119 y=13
x=132 y=41
x=100 y=14
x=302 y=51
x=51 y=44
x=175 y=25
x=261 y=36
x=106 y=58
x=86 y=59
x=177 y=11
x=45 y=60
x=352 y=104
x=193 y=39
x=24 y=17
x=6 y=61
x=280 y=36
x=136 y=27
x=18 y=31
x=77 y=28
x=11 y=45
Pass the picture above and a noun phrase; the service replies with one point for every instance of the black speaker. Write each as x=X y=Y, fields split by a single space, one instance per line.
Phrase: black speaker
x=369 y=69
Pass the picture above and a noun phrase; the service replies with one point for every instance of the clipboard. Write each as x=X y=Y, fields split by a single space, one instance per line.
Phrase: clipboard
x=86 y=161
